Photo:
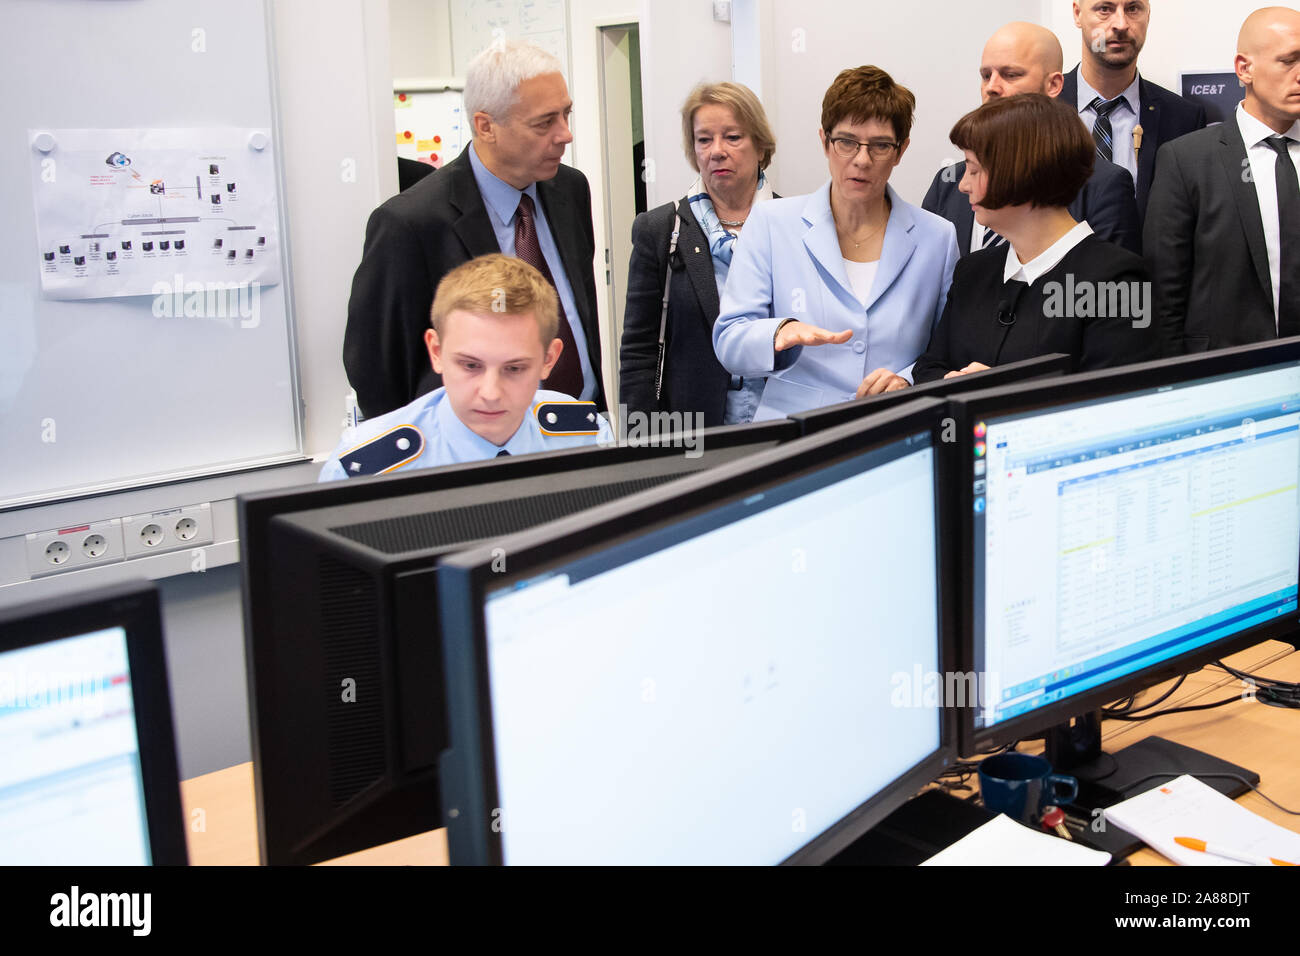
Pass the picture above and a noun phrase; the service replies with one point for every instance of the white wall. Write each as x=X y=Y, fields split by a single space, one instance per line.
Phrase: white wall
x=681 y=45
x=420 y=35
x=1184 y=35
x=931 y=46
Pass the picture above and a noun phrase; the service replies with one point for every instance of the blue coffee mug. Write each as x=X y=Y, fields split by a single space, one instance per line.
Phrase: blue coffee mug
x=1022 y=786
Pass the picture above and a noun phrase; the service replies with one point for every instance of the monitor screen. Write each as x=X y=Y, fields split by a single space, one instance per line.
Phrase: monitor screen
x=723 y=687
x=71 y=786
x=1121 y=533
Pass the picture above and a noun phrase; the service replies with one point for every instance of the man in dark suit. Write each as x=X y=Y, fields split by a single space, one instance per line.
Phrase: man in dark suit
x=1223 y=226
x=1130 y=118
x=1027 y=58
x=506 y=192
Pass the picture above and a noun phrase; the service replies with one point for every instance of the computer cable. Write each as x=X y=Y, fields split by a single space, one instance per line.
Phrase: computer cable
x=1128 y=708
x=1268 y=690
x=1221 y=776
x=1177 y=710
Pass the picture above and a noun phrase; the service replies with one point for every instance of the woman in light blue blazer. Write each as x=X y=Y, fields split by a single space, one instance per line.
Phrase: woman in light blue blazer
x=833 y=295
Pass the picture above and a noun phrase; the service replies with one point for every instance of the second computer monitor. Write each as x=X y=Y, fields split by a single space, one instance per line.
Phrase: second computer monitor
x=1126 y=526
x=729 y=670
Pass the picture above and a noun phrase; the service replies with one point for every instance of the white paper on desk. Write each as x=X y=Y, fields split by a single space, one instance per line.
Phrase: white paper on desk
x=1187 y=807
x=1004 y=842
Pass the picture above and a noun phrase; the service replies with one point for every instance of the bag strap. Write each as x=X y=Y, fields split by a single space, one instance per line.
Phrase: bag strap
x=663 y=315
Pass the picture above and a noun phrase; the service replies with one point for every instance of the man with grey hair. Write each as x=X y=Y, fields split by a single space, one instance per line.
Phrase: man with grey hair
x=506 y=192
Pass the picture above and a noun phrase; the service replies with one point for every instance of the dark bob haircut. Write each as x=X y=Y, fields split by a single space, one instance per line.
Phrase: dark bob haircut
x=1034 y=148
x=866 y=93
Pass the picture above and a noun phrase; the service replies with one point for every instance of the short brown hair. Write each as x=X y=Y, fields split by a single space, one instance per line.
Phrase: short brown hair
x=865 y=93
x=742 y=102
x=1034 y=148
x=499 y=284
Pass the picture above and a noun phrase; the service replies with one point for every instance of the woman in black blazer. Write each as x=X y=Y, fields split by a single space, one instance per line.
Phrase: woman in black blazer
x=1042 y=282
x=729 y=143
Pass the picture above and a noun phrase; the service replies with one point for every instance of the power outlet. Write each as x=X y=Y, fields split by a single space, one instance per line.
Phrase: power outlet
x=70 y=549
x=163 y=531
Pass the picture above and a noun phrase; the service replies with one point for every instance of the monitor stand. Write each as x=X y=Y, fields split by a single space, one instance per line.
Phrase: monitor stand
x=1106 y=779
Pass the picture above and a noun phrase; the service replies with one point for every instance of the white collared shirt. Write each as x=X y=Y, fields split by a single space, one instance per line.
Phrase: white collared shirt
x=1123 y=120
x=1263 y=169
x=1030 y=272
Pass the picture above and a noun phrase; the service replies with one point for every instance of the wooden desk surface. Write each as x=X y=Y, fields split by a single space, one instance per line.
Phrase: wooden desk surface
x=1248 y=733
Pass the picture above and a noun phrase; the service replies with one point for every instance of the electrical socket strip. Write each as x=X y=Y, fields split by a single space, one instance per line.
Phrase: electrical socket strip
x=70 y=549
x=118 y=539
x=172 y=530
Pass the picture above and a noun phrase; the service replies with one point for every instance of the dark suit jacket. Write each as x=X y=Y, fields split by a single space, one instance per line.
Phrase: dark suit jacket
x=1106 y=201
x=694 y=380
x=970 y=330
x=1205 y=243
x=417 y=237
x=1164 y=116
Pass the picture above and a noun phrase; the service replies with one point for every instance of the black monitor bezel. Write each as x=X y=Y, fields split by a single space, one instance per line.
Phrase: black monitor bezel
x=1051 y=365
x=1030 y=397
x=134 y=607
x=469 y=797
x=256 y=512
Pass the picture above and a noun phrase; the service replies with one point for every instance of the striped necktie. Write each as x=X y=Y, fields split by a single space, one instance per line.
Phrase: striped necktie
x=1101 y=132
x=992 y=240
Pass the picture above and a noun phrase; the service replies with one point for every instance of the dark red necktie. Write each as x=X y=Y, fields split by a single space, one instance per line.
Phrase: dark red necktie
x=566 y=377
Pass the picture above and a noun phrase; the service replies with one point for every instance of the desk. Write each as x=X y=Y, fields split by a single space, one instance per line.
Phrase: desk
x=1249 y=733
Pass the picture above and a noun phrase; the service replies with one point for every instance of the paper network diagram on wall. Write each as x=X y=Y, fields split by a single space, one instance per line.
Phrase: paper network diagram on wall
x=120 y=211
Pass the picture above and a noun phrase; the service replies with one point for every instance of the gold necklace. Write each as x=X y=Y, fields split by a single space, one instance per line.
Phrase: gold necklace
x=859 y=242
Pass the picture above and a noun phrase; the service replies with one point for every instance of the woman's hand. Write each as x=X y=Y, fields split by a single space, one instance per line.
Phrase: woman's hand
x=880 y=381
x=801 y=333
x=972 y=367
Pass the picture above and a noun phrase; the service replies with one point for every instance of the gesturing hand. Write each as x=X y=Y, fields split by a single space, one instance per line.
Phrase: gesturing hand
x=801 y=333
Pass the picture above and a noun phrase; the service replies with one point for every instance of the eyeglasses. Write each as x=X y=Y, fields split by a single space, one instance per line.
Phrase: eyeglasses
x=848 y=148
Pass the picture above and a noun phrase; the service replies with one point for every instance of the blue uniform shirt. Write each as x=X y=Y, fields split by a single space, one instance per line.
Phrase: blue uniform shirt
x=426 y=433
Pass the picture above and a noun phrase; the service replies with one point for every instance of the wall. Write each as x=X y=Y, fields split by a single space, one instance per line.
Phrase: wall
x=681 y=45
x=420 y=38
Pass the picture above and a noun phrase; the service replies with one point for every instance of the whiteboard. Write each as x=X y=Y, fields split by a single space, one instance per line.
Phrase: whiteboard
x=117 y=391
x=430 y=125
x=476 y=23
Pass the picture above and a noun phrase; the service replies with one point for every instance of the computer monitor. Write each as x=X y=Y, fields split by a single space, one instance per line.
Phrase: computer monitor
x=340 y=624
x=1053 y=365
x=1124 y=527
x=726 y=670
x=89 y=774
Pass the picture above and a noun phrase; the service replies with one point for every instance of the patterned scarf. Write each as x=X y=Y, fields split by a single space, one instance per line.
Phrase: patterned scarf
x=720 y=240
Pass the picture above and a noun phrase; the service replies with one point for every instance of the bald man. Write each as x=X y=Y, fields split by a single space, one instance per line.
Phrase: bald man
x=1223 y=226
x=1130 y=118
x=1027 y=58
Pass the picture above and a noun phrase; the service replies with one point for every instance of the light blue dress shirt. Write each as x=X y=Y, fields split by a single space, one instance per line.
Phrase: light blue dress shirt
x=502 y=200
x=787 y=264
x=449 y=441
x=1123 y=120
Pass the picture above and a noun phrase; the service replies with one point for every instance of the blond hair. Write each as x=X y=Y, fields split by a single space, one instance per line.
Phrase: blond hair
x=743 y=104
x=497 y=284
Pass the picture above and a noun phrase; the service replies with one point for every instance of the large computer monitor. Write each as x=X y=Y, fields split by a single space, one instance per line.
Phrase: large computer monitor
x=88 y=775
x=729 y=669
x=1053 y=365
x=1124 y=527
x=341 y=624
